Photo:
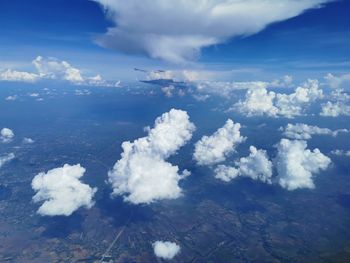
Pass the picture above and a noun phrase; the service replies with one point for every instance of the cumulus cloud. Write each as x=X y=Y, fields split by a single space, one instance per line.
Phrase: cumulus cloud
x=28 y=140
x=61 y=191
x=165 y=249
x=259 y=102
x=142 y=175
x=14 y=75
x=214 y=149
x=11 y=98
x=256 y=166
x=54 y=69
x=6 y=135
x=5 y=159
x=335 y=109
x=177 y=30
x=338 y=82
x=341 y=152
x=296 y=165
x=302 y=131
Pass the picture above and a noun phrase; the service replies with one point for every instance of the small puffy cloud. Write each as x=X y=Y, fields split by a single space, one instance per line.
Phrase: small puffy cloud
x=302 y=131
x=142 y=175
x=176 y=31
x=256 y=166
x=296 y=165
x=214 y=149
x=11 y=98
x=335 y=109
x=28 y=140
x=61 y=191
x=14 y=75
x=338 y=82
x=262 y=102
x=341 y=153
x=165 y=249
x=6 y=135
x=5 y=159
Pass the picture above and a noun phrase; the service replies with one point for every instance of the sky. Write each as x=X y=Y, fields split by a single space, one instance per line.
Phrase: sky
x=313 y=42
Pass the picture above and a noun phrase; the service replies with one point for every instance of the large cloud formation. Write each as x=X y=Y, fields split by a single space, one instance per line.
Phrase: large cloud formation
x=6 y=135
x=303 y=131
x=213 y=149
x=177 y=30
x=142 y=175
x=62 y=191
x=296 y=164
x=165 y=249
x=262 y=102
x=256 y=166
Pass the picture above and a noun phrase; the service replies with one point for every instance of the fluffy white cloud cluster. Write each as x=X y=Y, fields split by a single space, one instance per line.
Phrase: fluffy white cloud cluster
x=302 y=131
x=165 y=249
x=52 y=68
x=338 y=82
x=177 y=30
x=256 y=166
x=210 y=150
x=296 y=164
x=14 y=75
x=6 y=135
x=62 y=191
x=335 y=109
x=341 y=153
x=6 y=159
x=142 y=175
x=262 y=102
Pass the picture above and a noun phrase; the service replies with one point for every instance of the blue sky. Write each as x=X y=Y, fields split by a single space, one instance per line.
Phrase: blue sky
x=311 y=44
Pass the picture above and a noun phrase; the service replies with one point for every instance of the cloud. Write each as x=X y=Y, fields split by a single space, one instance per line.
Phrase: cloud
x=256 y=166
x=176 y=31
x=213 y=149
x=62 y=191
x=165 y=249
x=341 y=153
x=296 y=165
x=14 y=75
x=5 y=159
x=142 y=175
x=335 y=109
x=6 y=135
x=260 y=102
x=28 y=140
x=302 y=131
x=11 y=98
x=338 y=82
x=49 y=68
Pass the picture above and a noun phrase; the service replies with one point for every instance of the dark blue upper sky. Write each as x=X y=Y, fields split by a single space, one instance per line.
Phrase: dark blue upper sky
x=315 y=42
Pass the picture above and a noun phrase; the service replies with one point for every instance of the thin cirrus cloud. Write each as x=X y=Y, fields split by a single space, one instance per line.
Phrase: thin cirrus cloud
x=6 y=158
x=61 y=191
x=210 y=150
x=188 y=26
x=143 y=175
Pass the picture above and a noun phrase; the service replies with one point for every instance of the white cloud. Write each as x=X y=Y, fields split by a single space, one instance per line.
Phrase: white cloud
x=338 y=82
x=177 y=30
x=62 y=191
x=255 y=166
x=14 y=75
x=5 y=159
x=6 y=135
x=335 y=109
x=262 y=102
x=296 y=165
x=302 y=131
x=341 y=153
x=213 y=149
x=166 y=249
x=142 y=175
x=11 y=98
x=28 y=140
